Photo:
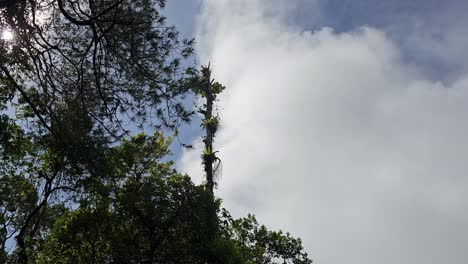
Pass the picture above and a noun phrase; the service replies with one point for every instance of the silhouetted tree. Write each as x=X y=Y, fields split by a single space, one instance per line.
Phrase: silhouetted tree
x=208 y=89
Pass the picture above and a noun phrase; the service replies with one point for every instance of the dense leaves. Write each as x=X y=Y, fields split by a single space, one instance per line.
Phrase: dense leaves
x=142 y=212
x=259 y=245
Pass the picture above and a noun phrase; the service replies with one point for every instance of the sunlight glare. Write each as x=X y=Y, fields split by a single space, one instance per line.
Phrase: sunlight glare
x=7 y=35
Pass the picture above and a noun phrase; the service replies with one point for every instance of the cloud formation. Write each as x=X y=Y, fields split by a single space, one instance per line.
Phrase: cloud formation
x=337 y=139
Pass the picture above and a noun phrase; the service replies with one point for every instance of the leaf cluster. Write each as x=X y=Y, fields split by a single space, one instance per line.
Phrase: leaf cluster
x=257 y=244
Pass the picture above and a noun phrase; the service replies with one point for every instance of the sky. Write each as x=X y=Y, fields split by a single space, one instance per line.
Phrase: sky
x=344 y=122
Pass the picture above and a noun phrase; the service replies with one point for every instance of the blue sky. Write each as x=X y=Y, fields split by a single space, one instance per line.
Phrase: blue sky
x=431 y=20
x=344 y=122
x=434 y=20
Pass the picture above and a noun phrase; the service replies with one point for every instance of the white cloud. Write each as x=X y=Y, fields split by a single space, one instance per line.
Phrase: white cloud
x=332 y=137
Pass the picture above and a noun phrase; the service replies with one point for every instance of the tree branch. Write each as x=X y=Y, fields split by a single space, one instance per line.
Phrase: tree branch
x=26 y=98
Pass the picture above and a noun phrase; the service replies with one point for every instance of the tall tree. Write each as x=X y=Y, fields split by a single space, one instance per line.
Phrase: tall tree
x=208 y=89
x=254 y=242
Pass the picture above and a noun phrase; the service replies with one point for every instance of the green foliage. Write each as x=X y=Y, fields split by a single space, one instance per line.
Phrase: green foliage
x=148 y=213
x=259 y=245
x=72 y=71
x=81 y=236
x=212 y=123
x=13 y=141
x=165 y=216
x=17 y=198
x=202 y=83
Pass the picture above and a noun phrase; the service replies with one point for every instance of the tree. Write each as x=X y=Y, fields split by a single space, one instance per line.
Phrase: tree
x=143 y=200
x=208 y=89
x=255 y=243
x=259 y=245
x=74 y=72
x=36 y=176
x=165 y=216
x=115 y=57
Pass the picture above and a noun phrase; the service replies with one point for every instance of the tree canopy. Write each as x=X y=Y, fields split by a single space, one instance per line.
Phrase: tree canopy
x=75 y=185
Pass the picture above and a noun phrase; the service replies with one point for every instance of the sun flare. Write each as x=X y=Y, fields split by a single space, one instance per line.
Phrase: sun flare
x=7 y=35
